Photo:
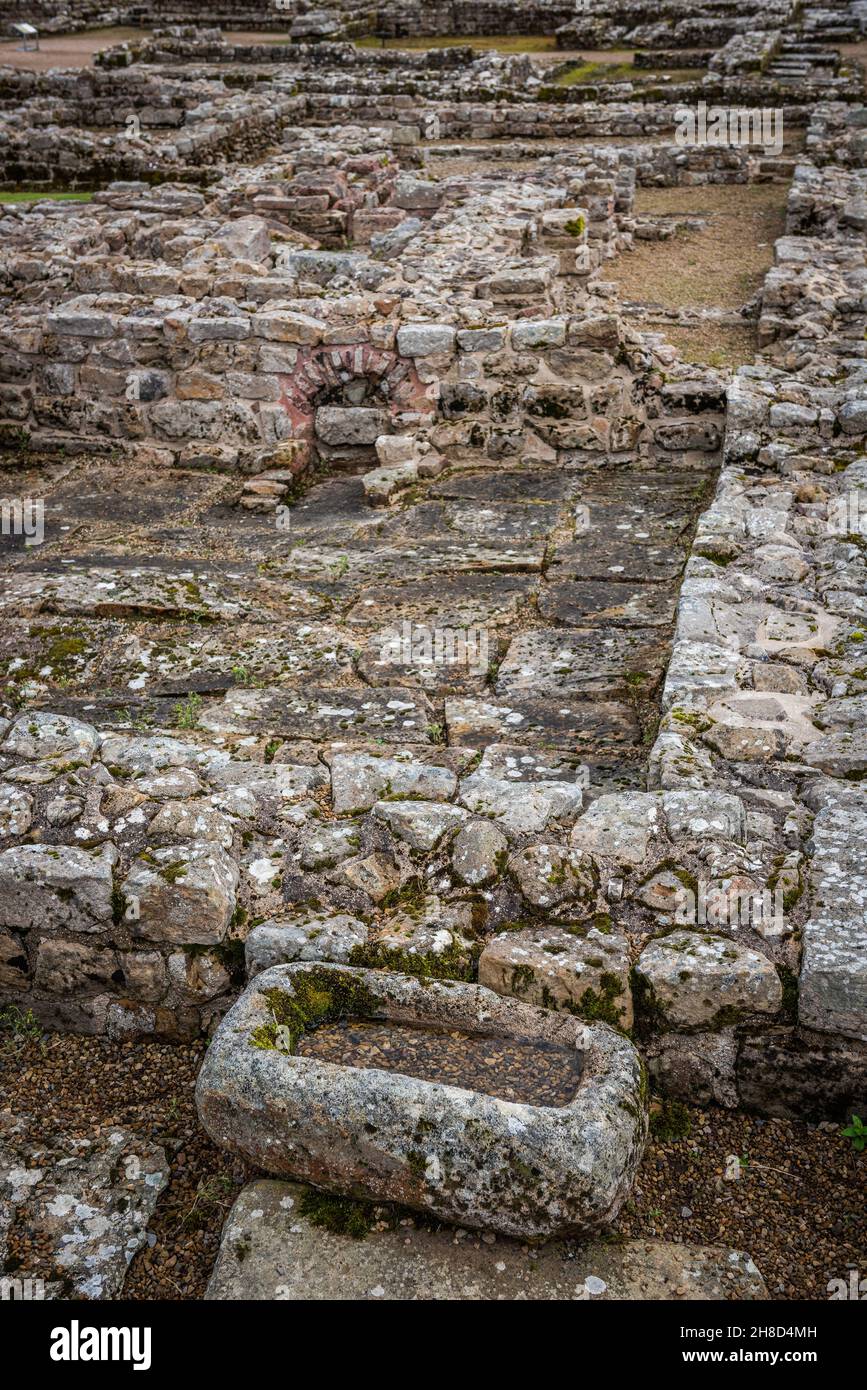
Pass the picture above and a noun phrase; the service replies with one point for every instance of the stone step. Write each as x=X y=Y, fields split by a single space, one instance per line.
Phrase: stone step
x=269 y=1250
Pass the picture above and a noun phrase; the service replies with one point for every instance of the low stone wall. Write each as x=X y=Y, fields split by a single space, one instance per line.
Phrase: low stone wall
x=673 y=24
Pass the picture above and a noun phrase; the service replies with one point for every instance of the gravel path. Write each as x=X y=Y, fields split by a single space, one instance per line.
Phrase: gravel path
x=798 y=1205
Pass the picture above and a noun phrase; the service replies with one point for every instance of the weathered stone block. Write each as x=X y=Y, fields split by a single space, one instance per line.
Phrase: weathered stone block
x=697 y=980
x=352 y=425
x=182 y=893
x=557 y=969
x=470 y=1158
x=55 y=886
x=323 y=936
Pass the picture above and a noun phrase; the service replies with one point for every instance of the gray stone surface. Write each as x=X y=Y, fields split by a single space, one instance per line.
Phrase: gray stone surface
x=86 y=1203
x=619 y=827
x=55 y=885
x=833 y=990
x=521 y=808
x=421 y=824
x=44 y=735
x=479 y=852
x=312 y=937
x=698 y=979
x=360 y=779
x=270 y=1251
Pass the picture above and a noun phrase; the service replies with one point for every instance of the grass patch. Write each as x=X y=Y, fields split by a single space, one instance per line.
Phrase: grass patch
x=18 y=1027
x=502 y=43
x=584 y=73
x=670 y=1122
x=28 y=196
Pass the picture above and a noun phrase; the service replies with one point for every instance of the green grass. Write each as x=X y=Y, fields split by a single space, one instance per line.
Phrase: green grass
x=30 y=197
x=597 y=72
x=18 y=1028
x=503 y=43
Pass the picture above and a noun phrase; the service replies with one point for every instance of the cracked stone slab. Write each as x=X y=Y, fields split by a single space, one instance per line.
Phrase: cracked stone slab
x=523 y=788
x=579 y=602
x=602 y=555
x=269 y=1250
x=146 y=592
x=564 y=661
x=568 y=723
x=522 y=808
x=394 y=714
x=165 y=662
x=705 y=815
x=86 y=1203
x=620 y=826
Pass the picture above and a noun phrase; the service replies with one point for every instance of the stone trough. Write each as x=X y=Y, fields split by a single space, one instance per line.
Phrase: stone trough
x=468 y=1157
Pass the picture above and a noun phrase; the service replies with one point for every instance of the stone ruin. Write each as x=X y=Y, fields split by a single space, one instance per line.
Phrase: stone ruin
x=405 y=608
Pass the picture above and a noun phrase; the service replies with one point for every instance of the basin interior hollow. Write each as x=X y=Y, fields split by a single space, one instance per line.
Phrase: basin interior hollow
x=529 y=1071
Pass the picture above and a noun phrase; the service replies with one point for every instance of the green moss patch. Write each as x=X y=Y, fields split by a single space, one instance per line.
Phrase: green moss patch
x=320 y=996
x=28 y=196
x=450 y=964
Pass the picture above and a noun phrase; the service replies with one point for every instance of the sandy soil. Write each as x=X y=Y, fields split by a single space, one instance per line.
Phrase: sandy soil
x=66 y=50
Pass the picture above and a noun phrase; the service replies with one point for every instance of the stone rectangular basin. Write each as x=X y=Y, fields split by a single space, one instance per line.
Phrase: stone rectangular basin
x=461 y=1154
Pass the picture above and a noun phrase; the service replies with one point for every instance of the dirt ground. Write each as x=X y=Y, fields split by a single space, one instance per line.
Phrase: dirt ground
x=720 y=266
x=66 y=50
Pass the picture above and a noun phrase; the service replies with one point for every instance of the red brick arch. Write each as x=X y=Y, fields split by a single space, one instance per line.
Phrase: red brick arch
x=319 y=369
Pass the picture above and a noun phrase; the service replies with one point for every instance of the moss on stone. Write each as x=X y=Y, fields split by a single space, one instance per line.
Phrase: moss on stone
x=319 y=996
x=789 y=982
x=522 y=978
x=450 y=964
x=650 y=1016
x=600 y=1005
x=344 y=1216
